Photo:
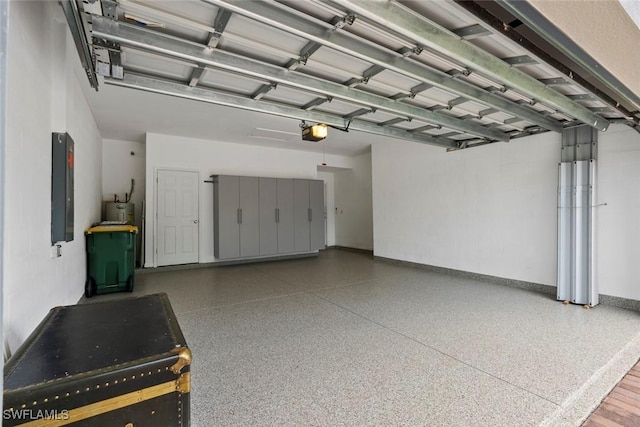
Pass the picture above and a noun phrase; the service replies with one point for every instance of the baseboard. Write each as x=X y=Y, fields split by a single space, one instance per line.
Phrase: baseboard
x=629 y=304
x=545 y=289
x=225 y=263
x=347 y=248
x=626 y=303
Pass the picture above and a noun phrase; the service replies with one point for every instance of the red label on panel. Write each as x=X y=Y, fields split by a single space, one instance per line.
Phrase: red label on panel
x=71 y=159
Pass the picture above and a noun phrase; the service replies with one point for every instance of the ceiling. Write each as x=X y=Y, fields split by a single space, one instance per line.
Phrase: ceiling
x=436 y=72
x=125 y=114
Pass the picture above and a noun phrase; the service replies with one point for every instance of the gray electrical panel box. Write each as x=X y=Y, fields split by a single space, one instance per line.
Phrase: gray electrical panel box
x=62 y=160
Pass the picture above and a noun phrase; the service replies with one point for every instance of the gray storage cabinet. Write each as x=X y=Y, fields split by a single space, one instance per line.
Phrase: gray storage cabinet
x=301 y=215
x=276 y=216
x=285 y=216
x=237 y=220
x=267 y=216
x=316 y=215
x=309 y=229
x=249 y=216
x=226 y=221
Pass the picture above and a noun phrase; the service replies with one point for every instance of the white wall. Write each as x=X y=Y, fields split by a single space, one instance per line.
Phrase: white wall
x=492 y=210
x=353 y=203
x=119 y=166
x=43 y=96
x=488 y=210
x=618 y=224
x=215 y=157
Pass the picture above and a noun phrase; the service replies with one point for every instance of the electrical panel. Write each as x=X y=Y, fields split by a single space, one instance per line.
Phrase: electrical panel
x=62 y=162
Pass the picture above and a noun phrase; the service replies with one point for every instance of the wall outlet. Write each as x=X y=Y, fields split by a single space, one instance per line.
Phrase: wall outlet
x=56 y=251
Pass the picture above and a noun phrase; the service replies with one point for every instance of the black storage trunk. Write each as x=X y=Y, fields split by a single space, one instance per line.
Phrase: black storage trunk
x=116 y=363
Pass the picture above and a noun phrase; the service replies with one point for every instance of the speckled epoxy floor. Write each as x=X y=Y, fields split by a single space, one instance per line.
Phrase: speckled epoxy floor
x=343 y=339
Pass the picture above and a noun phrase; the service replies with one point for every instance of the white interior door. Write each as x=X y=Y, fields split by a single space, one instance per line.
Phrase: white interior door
x=177 y=217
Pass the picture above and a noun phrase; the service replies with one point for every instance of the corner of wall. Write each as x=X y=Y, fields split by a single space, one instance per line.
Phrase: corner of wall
x=149 y=224
x=353 y=204
x=35 y=280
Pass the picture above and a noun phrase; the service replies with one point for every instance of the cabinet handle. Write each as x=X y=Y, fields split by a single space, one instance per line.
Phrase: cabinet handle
x=310 y=215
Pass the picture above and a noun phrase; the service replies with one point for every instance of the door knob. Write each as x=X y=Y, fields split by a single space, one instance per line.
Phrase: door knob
x=195 y=221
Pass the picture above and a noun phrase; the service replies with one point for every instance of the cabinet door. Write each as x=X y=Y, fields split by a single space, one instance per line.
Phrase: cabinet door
x=316 y=225
x=301 y=215
x=285 y=216
x=249 y=216
x=225 y=208
x=268 y=216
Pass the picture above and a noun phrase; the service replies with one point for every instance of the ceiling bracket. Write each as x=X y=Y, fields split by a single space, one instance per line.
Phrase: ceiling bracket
x=109 y=8
x=263 y=90
x=219 y=25
x=353 y=82
x=394 y=121
x=345 y=20
x=487 y=112
x=498 y=89
x=455 y=73
x=408 y=51
x=456 y=101
x=316 y=103
x=526 y=101
x=425 y=127
x=343 y=128
x=303 y=59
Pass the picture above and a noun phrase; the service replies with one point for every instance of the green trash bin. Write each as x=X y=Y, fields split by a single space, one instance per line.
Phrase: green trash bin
x=111 y=254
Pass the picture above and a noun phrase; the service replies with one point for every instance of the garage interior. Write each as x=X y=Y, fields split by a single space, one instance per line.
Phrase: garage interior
x=480 y=168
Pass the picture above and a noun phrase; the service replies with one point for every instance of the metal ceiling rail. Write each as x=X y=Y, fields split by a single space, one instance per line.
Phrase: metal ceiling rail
x=356 y=79
x=214 y=97
x=474 y=31
x=262 y=46
x=398 y=18
x=77 y=25
x=401 y=93
x=300 y=25
x=145 y=39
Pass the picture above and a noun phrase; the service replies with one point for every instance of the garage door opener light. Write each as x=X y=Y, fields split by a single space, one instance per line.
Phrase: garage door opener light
x=316 y=132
